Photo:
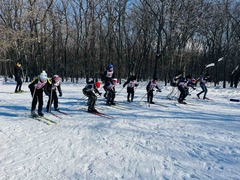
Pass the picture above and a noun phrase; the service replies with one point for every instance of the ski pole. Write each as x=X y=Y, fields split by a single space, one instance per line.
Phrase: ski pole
x=82 y=98
x=120 y=91
x=50 y=101
x=143 y=96
x=155 y=93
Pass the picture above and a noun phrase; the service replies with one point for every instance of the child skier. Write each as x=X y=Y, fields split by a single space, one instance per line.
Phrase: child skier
x=37 y=86
x=110 y=91
x=90 y=91
x=203 y=81
x=183 y=86
x=174 y=84
x=56 y=85
x=151 y=86
x=131 y=84
x=107 y=77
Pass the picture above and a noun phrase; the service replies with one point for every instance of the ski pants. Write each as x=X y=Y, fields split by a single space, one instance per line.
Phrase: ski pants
x=37 y=97
x=150 y=96
x=130 y=92
x=204 y=90
x=53 y=98
x=92 y=98
x=110 y=96
x=19 y=84
x=183 y=93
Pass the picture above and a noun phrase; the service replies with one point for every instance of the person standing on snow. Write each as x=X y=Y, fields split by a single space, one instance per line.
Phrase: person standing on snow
x=90 y=91
x=151 y=86
x=110 y=91
x=56 y=85
x=18 y=72
x=183 y=86
x=131 y=84
x=109 y=85
x=174 y=85
x=37 y=86
x=203 y=81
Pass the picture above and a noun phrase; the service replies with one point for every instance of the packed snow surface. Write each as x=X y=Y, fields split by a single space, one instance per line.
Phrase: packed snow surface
x=200 y=140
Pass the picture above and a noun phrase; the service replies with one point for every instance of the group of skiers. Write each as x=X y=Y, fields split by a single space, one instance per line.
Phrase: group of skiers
x=50 y=86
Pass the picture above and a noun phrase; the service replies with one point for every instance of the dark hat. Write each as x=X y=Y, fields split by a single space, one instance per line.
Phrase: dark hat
x=189 y=76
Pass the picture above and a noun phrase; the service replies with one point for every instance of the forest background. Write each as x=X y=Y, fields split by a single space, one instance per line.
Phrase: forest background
x=148 y=38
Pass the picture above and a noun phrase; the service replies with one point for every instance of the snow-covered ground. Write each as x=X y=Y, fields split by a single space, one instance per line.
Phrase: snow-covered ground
x=196 y=141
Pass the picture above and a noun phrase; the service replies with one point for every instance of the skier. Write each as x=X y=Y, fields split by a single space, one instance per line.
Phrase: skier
x=53 y=93
x=90 y=91
x=174 y=84
x=203 y=81
x=183 y=86
x=109 y=85
x=110 y=91
x=151 y=86
x=37 y=86
x=18 y=71
x=131 y=84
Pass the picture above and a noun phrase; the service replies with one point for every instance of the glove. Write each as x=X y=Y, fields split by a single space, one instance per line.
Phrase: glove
x=100 y=94
x=194 y=88
x=60 y=95
x=158 y=90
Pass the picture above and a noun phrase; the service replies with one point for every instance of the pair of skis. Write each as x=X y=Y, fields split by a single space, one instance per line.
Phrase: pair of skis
x=98 y=113
x=44 y=120
x=47 y=120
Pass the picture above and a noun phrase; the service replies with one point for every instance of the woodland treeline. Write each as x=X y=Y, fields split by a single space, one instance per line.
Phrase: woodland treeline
x=79 y=38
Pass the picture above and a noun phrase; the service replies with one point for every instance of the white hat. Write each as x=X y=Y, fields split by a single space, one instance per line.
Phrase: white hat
x=43 y=76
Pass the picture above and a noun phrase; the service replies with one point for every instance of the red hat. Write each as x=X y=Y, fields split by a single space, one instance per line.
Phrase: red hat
x=97 y=84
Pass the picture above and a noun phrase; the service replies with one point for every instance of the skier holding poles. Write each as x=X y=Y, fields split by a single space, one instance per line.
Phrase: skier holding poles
x=109 y=80
x=37 y=86
x=90 y=91
x=150 y=88
x=183 y=86
x=174 y=84
x=131 y=84
x=53 y=94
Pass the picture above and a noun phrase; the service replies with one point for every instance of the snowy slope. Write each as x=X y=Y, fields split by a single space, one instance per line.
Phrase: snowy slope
x=197 y=141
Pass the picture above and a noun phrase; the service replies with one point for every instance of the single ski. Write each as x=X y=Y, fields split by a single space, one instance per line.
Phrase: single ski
x=121 y=107
x=186 y=104
x=55 y=115
x=62 y=112
x=158 y=105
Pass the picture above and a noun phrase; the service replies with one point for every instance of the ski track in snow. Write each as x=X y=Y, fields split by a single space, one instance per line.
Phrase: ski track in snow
x=198 y=141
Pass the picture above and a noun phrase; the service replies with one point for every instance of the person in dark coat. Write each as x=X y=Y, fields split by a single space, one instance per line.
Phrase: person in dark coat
x=131 y=84
x=183 y=85
x=90 y=91
x=18 y=72
x=203 y=81
x=109 y=85
x=174 y=84
x=151 y=86
x=52 y=90
x=110 y=91
x=37 y=86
